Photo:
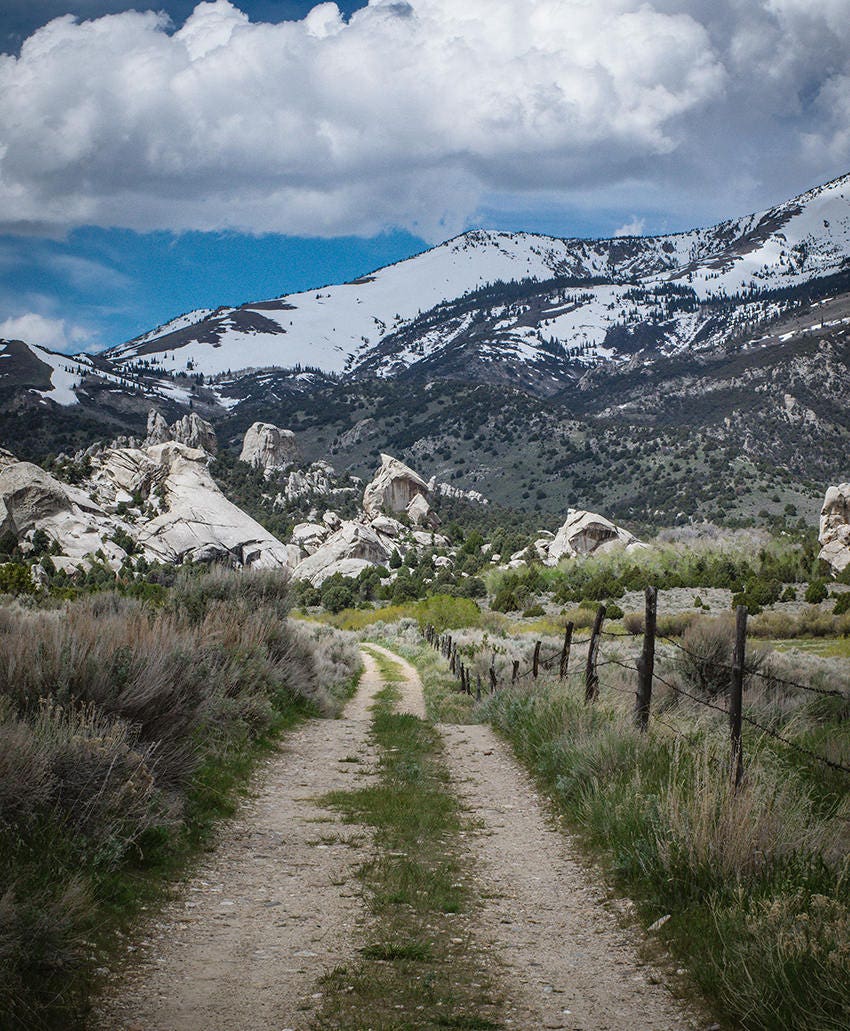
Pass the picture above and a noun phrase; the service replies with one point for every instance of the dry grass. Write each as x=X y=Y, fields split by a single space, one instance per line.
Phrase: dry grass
x=124 y=732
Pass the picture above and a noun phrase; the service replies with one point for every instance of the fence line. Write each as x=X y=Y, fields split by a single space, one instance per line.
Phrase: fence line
x=644 y=668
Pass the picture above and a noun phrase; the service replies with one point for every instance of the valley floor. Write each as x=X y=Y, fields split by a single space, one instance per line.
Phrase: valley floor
x=278 y=905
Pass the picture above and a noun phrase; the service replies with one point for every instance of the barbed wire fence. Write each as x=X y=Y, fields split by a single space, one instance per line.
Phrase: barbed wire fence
x=645 y=678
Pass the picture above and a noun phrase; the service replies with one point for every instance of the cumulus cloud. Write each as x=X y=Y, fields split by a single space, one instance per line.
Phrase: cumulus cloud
x=54 y=334
x=415 y=113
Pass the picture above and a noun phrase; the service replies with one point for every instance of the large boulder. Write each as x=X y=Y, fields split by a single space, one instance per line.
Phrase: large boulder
x=158 y=431
x=195 y=432
x=309 y=537
x=834 y=536
x=585 y=533
x=196 y=521
x=393 y=488
x=31 y=499
x=191 y=430
x=268 y=447
x=353 y=548
x=192 y=520
x=419 y=512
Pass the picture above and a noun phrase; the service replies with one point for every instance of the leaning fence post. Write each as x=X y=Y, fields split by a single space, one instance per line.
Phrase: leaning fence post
x=591 y=680
x=535 y=668
x=736 y=696
x=515 y=672
x=565 y=651
x=646 y=662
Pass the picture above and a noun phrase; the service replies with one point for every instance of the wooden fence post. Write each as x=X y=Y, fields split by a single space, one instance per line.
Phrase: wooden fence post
x=565 y=651
x=591 y=680
x=515 y=672
x=736 y=695
x=477 y=687
x=646 y=662
x=492 y=680
x=535 y=668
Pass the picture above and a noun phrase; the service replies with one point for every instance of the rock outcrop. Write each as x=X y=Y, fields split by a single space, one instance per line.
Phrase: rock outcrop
x=585 y=533
x=266 y=446
x=359 y=432
x=171 y=507
x=191 y=430
x=834 y=536
x=31 y=499
x=393 y=488
x=158 y=431
x=353 y=548
x=448 y=490
x=195 y=432
x=196 y=522
x=318 y=479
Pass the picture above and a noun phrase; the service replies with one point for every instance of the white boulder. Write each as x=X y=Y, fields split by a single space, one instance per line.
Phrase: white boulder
x=353 y=547
x=419 y=512
x=585 y=533
x=268 y=447
x=158 y=431
x=31 y=499
x=310 y=536
x=195 y=432
x=387 y=525
x=197 y=522
x=393 y=488
x=834 y=536
x=191 y=430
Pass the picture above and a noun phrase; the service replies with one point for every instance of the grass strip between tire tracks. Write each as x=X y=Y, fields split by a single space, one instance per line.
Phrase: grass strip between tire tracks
x=420 y=967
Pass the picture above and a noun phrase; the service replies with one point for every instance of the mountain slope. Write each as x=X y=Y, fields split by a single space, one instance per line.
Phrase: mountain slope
x=589 y=292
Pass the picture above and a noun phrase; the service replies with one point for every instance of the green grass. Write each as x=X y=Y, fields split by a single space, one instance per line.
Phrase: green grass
x=443 y=611
x=826 y=647
x=757 y=884
x=416 y=970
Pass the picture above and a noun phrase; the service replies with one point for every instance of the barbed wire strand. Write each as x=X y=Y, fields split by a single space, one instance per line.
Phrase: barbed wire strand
x=754 y=672
x=793 y=744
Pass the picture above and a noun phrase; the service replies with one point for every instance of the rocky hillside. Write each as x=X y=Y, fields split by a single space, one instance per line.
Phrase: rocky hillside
x=659 y=379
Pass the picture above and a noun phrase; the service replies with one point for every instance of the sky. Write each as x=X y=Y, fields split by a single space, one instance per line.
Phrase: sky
x=198 y=154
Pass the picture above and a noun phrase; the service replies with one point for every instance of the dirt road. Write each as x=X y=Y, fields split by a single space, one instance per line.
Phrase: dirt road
x=244 y=946
x=277 y=905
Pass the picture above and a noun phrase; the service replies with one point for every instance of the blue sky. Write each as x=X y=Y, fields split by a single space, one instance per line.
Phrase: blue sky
x=235 y=150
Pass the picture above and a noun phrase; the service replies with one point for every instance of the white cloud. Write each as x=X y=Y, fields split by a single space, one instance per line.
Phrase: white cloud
x=54 y=334
x=634 y=227
x=414 y=113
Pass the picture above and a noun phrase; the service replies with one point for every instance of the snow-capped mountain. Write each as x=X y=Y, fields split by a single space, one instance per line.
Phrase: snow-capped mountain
x=560 y=304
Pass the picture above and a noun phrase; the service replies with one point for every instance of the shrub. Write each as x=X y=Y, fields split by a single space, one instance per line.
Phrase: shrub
x=506 y=600
x=15 y=578
x=613 y=611
x=816 y=592
x=842 y=604
x=534 y=610
x=337 y=596
x=706 y=656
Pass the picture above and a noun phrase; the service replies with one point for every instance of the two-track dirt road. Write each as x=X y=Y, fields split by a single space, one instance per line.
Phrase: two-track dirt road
x=244 y=944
